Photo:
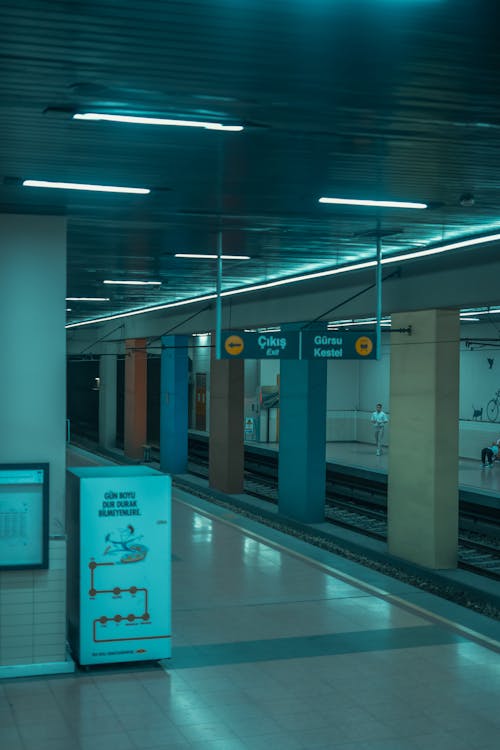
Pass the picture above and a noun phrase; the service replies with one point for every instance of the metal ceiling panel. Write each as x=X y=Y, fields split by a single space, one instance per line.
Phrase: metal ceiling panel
x=393 y=99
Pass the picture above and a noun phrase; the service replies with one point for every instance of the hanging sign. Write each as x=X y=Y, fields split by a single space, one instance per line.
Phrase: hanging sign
x=338 y=345
x=246 y=345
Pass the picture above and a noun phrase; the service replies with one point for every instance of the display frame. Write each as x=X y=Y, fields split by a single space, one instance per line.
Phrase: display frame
x=42 y=562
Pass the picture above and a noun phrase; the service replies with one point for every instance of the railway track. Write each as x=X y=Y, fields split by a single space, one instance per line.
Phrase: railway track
x=362 y=510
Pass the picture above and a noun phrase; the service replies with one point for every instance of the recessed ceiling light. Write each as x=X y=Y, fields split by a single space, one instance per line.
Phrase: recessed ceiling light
x=211 y=256
x=134 y=120
x=132 y=283
x=380 y=204
x=82 y=186
x=87 y=299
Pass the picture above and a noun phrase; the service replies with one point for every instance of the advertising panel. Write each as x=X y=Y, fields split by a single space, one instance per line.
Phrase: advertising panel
x=125 y=567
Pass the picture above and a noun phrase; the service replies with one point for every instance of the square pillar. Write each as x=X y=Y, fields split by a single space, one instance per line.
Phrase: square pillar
x=107 y=399
x=135 y=416
x=302 y=449
x=174 y=404
x=226 y=448
x=423 y=451
x=33 y=429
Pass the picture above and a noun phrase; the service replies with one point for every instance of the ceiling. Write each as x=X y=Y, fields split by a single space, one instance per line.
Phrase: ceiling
x=381 y=99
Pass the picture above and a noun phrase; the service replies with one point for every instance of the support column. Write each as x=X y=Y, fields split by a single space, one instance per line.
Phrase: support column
x=33 y=427
x=135 y=417
x=226 y=453
x=423 y=452
x=301 y=471
x=174 y=404
x=107 y=400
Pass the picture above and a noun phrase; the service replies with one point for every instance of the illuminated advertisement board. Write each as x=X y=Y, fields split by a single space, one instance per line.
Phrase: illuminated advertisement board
x=122 y=574
x=24 y=511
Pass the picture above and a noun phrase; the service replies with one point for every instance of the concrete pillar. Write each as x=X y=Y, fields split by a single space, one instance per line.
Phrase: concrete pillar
x=174 y=404
x=226 y=451
x=135 y=416
x=301 y=472
x=423 y=451
x=33 y=427
x=107 y=400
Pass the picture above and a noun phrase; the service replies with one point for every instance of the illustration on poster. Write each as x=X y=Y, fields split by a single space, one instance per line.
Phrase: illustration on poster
x=123 y=542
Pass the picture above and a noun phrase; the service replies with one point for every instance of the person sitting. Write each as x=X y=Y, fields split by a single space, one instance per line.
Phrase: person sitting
x=490 y=454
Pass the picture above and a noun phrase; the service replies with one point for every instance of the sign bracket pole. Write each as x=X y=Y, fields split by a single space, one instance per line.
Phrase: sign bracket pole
x=379 y=291
x=218 y=302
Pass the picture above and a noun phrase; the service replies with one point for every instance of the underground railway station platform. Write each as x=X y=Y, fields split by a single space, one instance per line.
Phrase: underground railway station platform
x=362 y=457
x=275 y=643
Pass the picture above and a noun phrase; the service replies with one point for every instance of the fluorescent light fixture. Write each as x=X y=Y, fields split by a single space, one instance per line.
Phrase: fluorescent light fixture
x=211 y=256
x=349 y=323
x=203 y=335
x=132 y=283
x=82 y=186
x=380 y=204
x=473 y=313
x=134 y=120
x=470 y=320
x=296 y=279
x=87 y=299
x=68 y=309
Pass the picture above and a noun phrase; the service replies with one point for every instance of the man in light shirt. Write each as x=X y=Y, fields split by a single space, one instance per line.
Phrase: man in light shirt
x=379 y=420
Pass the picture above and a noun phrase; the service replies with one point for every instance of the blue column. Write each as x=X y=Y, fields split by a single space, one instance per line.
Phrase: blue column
x=301 y=474
x=174 y=404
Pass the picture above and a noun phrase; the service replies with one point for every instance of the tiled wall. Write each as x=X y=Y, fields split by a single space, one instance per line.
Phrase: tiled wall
x=33 y=612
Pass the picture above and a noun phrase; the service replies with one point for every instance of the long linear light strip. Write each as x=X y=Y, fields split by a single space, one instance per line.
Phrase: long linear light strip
x=132 y=283
x=296 y=279
x=231 y=292
x=142 y=311
x=379 y=204
x=82 y=186
x=441 y=249
x=136 y=120
x=211 y=256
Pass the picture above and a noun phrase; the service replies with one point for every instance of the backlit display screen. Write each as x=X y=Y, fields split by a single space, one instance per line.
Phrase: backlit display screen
x=24 y=500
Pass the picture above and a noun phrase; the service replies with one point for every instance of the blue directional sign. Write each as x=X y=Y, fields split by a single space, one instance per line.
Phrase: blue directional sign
x=338 y=345
x=243 y=345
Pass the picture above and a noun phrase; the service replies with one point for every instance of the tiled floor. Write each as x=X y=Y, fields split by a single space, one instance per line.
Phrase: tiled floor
x=273 y=647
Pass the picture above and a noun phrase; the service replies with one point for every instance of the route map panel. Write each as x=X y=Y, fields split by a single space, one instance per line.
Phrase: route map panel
x=125 y=609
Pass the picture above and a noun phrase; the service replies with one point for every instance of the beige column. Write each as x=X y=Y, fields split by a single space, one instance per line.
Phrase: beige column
x=135 y=417
x=423 y=451
x=226 y=449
